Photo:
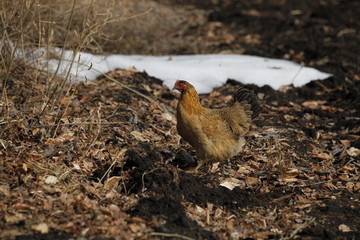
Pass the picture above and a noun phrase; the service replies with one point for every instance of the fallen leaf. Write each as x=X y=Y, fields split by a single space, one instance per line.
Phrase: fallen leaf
x=302 y=206
x=134 y=227
x=46 y=206
x=350 y=186
x=288 y=180
x=137 y=220
x=252 y=12
x=14 y=219
x=5 y=190
x=25 y=167
x=218 y=213
x=51 y=180
x=214 y=94
x=167 y=116
x=139 y=136
x=21 y=206
x=66 y=136
x=345 y=143
x=252 y=180
x=263 y=235
x=112 y=194
x=76 y=166
x=41 y=227
x=214 y=167
x=230 y=224
x=323 y=156
x=245 y=169
x=200 y=210
x=292 y=171
x=353 y=152
x=231 y=183
x=357 y=186
x=111 y=182
x=344 y=177
x=344 y=228
x=116 y=211
x=65 y=100
x=313 y=104
x=289 y=117
x=283 y=197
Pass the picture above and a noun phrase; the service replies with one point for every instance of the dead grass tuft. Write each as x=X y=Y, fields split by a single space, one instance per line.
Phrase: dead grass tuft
x=32 y=97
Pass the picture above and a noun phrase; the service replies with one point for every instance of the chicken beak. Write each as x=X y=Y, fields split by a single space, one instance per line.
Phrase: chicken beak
x=175 y=88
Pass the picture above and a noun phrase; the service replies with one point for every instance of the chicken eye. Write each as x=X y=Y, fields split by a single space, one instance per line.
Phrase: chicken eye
x=183 y=87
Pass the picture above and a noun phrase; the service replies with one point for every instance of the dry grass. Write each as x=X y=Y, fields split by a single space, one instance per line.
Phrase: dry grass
x=32 y=97
x=143 y=27
x=29 y=95
x=128 y=27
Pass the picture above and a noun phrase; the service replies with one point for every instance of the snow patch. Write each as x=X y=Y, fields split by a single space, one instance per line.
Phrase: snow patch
x=204 y=71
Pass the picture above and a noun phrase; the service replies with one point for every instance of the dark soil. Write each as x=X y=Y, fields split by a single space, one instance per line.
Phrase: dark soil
x=315 y=36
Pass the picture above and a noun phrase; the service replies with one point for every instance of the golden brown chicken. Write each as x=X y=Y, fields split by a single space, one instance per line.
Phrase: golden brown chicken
x=215 y=134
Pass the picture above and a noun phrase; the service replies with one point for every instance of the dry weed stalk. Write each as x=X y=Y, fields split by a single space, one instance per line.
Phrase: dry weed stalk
x=15 y=23
x=27 y=25
x=90 y=28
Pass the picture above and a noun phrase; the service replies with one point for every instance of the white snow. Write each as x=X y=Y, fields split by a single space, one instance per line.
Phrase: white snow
x=204 y=71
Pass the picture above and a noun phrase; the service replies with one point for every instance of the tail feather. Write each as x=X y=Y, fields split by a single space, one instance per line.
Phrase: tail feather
x=245 y=95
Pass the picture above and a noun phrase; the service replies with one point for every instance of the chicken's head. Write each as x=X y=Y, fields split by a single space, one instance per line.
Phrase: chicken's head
x=181 y=86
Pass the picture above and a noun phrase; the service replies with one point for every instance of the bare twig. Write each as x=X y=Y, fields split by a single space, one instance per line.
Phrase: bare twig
x=64 y=112
x=124 y=86
x=94 y=139
x=297 y=74
x=77 y=124
x=134 y=91
x=121 y=152
x=143 y=178
x=2 y=144
x=170 y=235
x=299 y=229
x=23 y=18
x=313 y=184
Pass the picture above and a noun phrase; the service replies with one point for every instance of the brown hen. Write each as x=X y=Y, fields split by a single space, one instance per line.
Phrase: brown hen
x=215 y=134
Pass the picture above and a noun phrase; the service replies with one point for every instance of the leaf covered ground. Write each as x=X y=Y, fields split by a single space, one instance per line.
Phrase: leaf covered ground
x=104 y=161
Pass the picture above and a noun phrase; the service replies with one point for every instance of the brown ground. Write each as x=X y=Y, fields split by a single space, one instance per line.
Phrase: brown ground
x=120 y=176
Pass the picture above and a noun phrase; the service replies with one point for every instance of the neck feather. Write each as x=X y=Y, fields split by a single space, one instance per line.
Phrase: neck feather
x=190 y=101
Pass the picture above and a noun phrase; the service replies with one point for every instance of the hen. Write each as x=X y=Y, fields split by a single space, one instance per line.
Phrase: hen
x=215 y=134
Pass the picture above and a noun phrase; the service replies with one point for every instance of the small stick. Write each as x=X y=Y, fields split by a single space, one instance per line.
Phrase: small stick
x=299 y=229
x=312 y=184
x=80 y=123
x=172 y=235
x=132 y=90
x=298 y=72
x=122 y=152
